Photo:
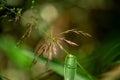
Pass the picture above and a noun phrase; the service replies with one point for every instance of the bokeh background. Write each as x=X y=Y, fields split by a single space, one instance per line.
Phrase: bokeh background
x=99 y=55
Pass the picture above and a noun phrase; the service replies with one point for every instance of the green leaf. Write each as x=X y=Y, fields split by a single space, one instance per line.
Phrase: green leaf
x=18 y=56
x=23 y=58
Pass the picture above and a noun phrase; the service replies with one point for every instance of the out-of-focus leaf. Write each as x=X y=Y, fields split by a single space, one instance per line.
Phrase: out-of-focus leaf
x=59 y=69
x=1 y=78
x=105 y=56
x=23 y=58
x=18 y=56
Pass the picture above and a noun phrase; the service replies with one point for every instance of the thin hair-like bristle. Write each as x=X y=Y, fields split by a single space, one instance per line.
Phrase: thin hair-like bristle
x=84 y=34
x=77 y=32
x=61 y=47
x=70 y=42
x=68 y=31
x=25 y=36
x=51 y=43
x=54 y=49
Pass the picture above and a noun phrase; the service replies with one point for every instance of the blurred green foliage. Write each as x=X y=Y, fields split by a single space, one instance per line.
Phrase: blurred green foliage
x=99 y=17
x=15 y=54
x=22 y=58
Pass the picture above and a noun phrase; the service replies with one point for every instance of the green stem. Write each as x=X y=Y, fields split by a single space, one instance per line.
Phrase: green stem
x=90 y=77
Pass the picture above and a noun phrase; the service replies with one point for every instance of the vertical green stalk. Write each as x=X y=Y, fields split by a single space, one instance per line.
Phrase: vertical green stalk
x=70 y=67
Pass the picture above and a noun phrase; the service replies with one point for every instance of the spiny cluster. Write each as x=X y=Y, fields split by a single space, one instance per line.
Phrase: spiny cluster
x=49 y=45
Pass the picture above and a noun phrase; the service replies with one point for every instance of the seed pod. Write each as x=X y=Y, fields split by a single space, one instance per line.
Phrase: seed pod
x=70 y=67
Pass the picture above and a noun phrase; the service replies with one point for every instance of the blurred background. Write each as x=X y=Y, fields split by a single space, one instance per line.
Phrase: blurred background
x=99 y=54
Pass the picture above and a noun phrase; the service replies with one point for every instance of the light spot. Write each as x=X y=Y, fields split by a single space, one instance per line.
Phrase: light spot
x=49 y=13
